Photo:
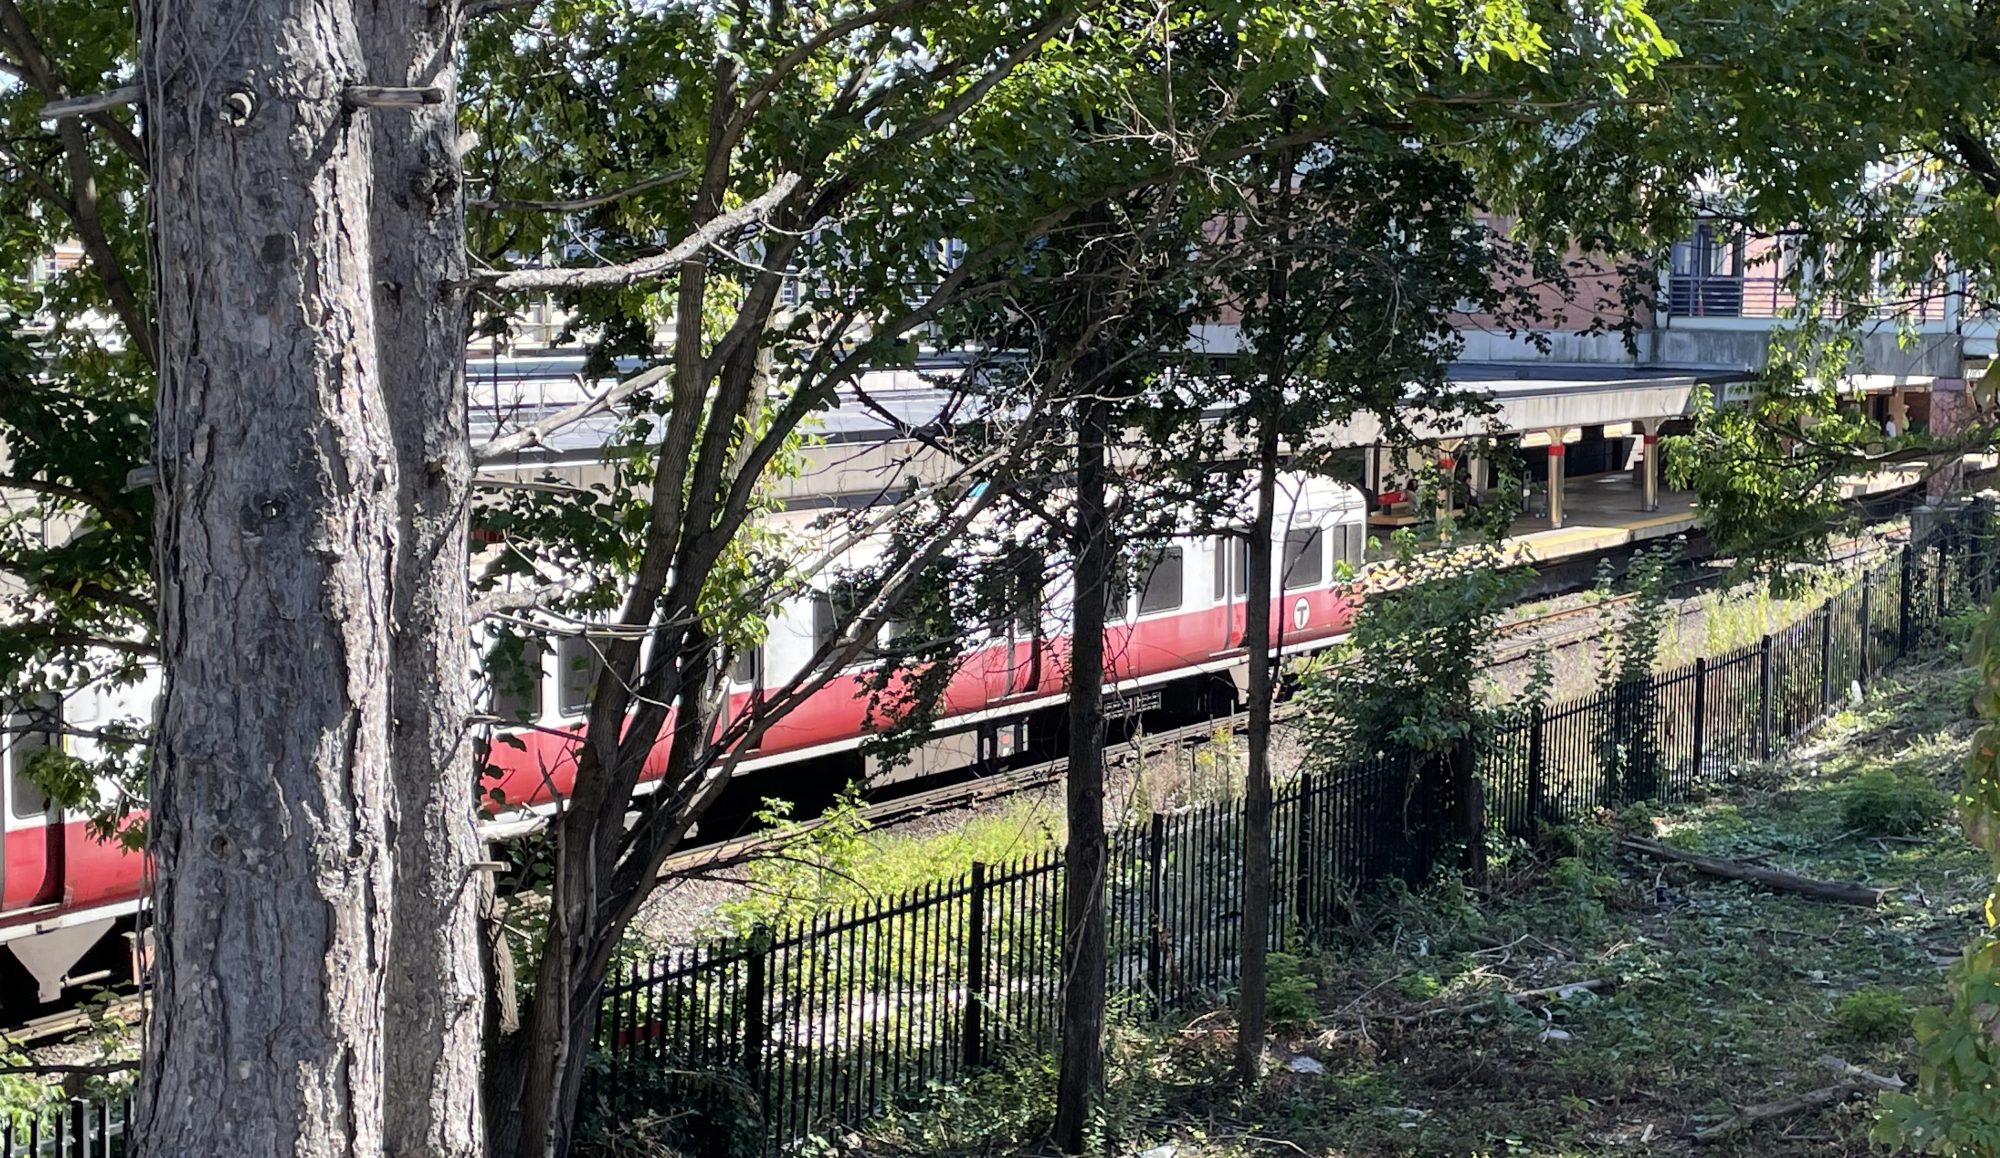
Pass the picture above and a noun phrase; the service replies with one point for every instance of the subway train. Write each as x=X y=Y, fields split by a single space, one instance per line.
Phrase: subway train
x=68 y=902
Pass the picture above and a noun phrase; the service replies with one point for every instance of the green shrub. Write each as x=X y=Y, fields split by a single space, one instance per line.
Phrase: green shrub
x=1883 y=803
x=1579 y=878
x=1288 y=990
x=1585 y=840
x=1868 y=1016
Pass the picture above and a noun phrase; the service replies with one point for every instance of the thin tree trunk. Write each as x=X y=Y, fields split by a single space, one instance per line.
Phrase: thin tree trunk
x=1254 y=972
x=1081 y=1079
x=436 y=982
x=277 y=523
x=1250 y=1014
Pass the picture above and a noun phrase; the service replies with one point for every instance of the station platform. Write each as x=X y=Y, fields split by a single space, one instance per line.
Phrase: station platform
x=1600 y=513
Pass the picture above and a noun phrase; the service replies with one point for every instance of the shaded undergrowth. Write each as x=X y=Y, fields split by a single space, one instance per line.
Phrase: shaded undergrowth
x=1713 y=994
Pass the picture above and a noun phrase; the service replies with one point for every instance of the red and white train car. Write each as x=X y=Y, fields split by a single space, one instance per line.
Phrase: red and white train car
x=65 y=896
x=1178 y=644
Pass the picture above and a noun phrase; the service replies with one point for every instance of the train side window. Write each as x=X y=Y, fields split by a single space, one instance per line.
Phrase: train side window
x=1345 y=547
x=579 y=665
x=1162 y=586
x=26 y=800
x=516 y=680
x=1305 y=558
x=826 y=625
x=1232 y=564
x=746 y=670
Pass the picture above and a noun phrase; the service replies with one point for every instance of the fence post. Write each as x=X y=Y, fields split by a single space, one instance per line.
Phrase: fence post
x=1471 y=799
x=975 y=966
x=1764 y=696
x=754 y=987
x=1825 y=654
x=1943 y=575
x=1537 y=759
x=1903 y=611
x=1156 y=894
x=1302 y=856
x=1867 y=626
x=1982 y=529
x=1700 y=714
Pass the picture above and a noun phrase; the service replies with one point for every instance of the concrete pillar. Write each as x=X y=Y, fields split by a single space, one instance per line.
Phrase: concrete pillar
x=1557 y=451
x=1476 y=470
x=1649 y=464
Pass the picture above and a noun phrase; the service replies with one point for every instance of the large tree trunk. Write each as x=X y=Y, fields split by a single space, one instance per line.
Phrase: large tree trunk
x=278 y=523
x=435 y=983
x=1081 y=1079
x=1250 y=1016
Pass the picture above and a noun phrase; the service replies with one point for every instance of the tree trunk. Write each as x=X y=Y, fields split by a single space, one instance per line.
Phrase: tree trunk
x=1250 y=1015
x=435 y=983
x=278 y=526
x=1081 y=1080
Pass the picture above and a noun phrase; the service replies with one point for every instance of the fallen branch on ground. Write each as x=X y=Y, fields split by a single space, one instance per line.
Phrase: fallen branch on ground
x=1571 y=989
x=1857 y=1081
x=1845 y=892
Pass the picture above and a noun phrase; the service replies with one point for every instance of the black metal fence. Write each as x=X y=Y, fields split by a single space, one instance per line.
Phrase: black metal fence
x=76 y=1128
x=824 y=1023
x=798 y=1030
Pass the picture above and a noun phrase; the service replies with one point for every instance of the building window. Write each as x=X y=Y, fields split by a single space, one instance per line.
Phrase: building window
x=1161 y=588
x=578 y=665
x=1705 y=274
x=1305 y=558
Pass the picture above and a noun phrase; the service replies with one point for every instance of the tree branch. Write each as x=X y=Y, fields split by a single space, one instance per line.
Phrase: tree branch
x=123 y=96
x=45 y=77
x=597 y=404
x=579 y=204
x=647 y=268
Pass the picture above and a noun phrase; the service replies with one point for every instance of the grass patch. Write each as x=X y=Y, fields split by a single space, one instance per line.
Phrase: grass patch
x=1718 y=994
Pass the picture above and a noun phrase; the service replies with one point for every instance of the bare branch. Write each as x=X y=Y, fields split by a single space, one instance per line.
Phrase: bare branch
x=597 y=404
x=579 y=204
x=501 y=602
x=378 y=96
x=646 y=268
x=83 y=106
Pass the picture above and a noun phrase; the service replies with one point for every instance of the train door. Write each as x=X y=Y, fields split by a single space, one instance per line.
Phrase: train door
x=32 y=829
x=1232 y=588
x=746 y=675
x=1023 y=631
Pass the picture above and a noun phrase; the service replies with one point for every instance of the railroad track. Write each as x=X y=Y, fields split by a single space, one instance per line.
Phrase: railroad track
x=64 y=1023
x=887 y=813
